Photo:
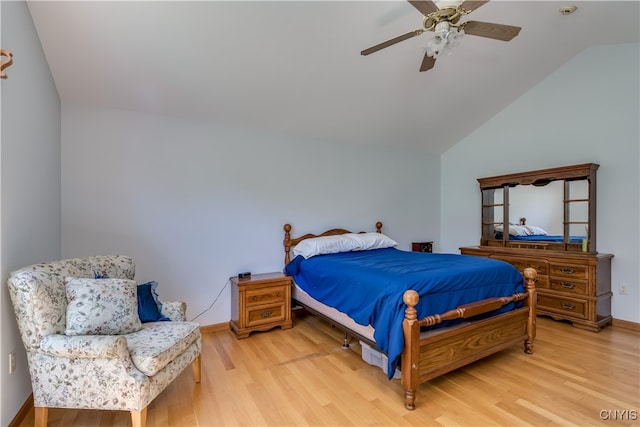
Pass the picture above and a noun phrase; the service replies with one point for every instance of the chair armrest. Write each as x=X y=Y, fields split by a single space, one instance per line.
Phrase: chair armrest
x=86 y=346
x=175 y=310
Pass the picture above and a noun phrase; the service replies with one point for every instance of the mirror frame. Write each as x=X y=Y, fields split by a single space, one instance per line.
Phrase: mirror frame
x=488 y=186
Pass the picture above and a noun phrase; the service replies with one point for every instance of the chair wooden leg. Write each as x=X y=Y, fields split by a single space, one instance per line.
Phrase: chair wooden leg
x=196 y=368
x=41 y=416
x=139 y=418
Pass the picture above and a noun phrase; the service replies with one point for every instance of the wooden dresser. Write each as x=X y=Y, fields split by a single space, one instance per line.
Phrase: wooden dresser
x=571 y=286
x=260 y=302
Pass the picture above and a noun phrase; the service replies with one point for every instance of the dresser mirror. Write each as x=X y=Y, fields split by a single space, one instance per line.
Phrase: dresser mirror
x=549 y=209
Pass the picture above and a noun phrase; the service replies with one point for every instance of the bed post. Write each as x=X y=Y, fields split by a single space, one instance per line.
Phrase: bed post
x=530 y=275
x=287 y=243
x=379 y=227
x=411 y=351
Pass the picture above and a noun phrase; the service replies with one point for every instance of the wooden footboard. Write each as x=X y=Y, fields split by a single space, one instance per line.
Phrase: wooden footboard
x=428 y=357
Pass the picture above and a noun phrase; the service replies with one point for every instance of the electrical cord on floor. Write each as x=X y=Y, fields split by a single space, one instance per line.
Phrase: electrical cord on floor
x=214 y=301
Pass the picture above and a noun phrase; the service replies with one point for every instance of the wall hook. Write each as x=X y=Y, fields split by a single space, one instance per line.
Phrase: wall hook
x=5 y=63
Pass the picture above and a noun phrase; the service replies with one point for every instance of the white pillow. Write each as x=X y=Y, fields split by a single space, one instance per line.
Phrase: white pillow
x=101 y=306
x=373 y=240
x=535 y=231
x=326 y=245
x=342 y=243
x=514 y=230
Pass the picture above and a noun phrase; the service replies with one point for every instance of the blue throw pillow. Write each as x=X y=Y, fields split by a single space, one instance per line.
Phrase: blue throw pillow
x=149 y=307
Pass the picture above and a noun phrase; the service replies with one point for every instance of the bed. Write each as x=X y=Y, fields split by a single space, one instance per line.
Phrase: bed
x=531 y=233
x=541 y=238
x=388 y=298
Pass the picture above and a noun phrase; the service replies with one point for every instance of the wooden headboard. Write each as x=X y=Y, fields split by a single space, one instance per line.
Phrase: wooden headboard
x=290 y=242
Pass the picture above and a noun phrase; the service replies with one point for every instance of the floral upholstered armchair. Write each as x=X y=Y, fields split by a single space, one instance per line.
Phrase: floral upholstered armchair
x=86 y=345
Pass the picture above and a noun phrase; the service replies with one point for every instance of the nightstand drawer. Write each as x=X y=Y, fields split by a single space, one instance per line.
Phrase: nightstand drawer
x=573 y=271
x=265 y=296
x=265 y=314
x=569 y=285
x=569 y=306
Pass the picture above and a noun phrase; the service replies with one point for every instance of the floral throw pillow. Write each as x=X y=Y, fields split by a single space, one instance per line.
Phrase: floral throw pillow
x=101 y=306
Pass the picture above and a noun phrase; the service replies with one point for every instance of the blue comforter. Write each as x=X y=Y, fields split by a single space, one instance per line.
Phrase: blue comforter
x=369 y=285
x=542 y=238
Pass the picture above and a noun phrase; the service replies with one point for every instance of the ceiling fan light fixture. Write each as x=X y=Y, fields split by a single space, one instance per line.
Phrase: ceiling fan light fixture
x=445 y=40
x=453 y=40
x=442 y=30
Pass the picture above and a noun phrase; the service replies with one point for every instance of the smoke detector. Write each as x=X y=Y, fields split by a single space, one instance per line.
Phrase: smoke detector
x=567 y=10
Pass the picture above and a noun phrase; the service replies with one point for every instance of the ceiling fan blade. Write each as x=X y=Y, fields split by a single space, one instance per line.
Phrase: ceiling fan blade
x=472 y=5
x=489 y=30
x=427 y=63
x=425 y=7
x=391 y=42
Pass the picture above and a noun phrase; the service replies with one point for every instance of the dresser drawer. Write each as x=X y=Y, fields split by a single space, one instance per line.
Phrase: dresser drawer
x=569 y=285
x=540 y=265
x=265 y=314
x=569 y=270
x=574 y=286
x=568 y=306
x=271 y=295
x=542 y=282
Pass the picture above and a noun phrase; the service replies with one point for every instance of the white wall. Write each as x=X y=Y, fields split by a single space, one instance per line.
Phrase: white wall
x=586 y=111
x=195 y=203
x=30 y=182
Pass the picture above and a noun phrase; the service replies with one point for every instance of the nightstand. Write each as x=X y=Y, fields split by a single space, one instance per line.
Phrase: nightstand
x=260 y=302
x=422 y=246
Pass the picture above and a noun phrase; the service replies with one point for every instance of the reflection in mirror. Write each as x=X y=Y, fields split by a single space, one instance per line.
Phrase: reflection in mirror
x=549 y=209
x=498 y=209
x=541 y=206
x=577 y=232
x=578 y=205
x=492 y=211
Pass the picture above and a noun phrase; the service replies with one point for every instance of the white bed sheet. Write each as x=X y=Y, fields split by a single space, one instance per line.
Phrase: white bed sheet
x=342 y=319
x=339 y=317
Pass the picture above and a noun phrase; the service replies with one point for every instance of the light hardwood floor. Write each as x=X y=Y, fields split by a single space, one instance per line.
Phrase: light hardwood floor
x=302 y=377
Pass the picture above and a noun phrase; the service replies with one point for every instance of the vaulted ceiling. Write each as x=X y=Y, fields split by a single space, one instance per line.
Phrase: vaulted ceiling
x=294 y=67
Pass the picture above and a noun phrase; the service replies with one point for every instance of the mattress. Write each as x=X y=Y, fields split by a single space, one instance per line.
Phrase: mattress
x=340 y=318
x=368 y=287
x=348 y=323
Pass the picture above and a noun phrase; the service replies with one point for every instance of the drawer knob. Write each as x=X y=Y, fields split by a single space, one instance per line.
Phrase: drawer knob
x=266 y=313
x=277 y=294
x=568 y=306
x=567 y=285
x=255 y=298
x=566 y=270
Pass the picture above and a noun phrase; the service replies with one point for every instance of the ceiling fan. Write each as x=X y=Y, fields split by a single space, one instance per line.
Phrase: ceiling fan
x=443 y=19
